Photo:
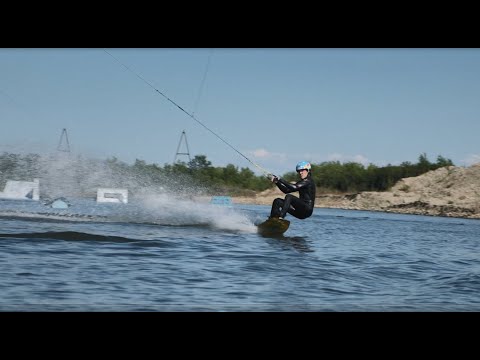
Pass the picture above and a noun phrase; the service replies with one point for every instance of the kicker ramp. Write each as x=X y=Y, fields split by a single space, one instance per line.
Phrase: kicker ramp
x=21 y=190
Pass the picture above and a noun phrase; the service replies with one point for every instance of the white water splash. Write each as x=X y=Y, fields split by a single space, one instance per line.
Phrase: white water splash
x=165 y=200
x=171 y=210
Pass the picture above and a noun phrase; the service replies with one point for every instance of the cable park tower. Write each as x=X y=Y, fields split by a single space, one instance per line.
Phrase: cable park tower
x=63 y=145
x=183 y=136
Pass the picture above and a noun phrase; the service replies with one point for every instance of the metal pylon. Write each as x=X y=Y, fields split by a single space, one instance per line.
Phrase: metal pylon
x=183 y=136
x=64 y=148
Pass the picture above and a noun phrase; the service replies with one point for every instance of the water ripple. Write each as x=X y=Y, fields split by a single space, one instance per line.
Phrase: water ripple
x=337 y=260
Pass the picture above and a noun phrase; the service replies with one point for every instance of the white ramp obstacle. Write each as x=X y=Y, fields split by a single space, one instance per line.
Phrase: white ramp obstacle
x=21 y=190
x=112 y=195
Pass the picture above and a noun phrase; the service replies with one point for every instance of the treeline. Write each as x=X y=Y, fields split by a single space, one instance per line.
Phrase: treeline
x=197 y=175
x=199 y=172
x=18 y=167
x=333 y=176
x=63 y=173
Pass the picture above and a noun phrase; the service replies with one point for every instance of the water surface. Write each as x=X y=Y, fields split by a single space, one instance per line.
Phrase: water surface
x=166 y=254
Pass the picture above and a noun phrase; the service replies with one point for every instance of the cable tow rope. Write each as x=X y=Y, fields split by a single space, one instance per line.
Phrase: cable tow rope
x=202 y=83
x=267 y=173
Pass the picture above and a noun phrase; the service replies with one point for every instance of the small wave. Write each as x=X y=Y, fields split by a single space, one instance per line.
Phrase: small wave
x=68 y=236
x=39 y=216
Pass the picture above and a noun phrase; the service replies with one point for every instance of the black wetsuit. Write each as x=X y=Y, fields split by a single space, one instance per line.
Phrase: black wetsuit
x=301 y=207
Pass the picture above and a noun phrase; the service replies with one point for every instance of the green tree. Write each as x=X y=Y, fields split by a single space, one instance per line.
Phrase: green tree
x=199 y=162
x=423 y=164
x=442 y=162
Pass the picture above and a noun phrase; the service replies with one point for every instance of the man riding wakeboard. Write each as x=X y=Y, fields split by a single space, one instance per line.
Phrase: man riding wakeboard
x=301 y=207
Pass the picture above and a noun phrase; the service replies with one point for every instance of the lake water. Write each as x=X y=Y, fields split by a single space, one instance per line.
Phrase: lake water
x=167 y=254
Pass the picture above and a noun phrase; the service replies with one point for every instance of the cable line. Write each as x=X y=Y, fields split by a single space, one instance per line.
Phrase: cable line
x=202 y=83
x=268 y=174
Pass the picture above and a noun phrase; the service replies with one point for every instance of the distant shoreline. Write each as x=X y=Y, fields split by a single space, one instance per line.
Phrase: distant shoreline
x=447 y=192
x=339 y=202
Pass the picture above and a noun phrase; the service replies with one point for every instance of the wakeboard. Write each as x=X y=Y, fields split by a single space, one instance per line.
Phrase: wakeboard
x=273 y=226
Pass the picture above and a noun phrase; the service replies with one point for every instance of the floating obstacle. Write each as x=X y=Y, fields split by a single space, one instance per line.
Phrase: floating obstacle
x=21 y=190
x=60 y=203
x=106 y=195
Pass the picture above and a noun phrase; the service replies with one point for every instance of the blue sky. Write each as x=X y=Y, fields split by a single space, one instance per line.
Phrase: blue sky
x=275 y=106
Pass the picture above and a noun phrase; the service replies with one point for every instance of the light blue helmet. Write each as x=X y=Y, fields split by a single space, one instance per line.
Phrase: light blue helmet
x=303 y=165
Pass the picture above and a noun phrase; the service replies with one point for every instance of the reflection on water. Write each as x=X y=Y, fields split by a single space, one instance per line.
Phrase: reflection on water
x=296 y=242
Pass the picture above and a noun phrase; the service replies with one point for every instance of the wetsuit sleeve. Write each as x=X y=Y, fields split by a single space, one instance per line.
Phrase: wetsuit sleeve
x=286 y=187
